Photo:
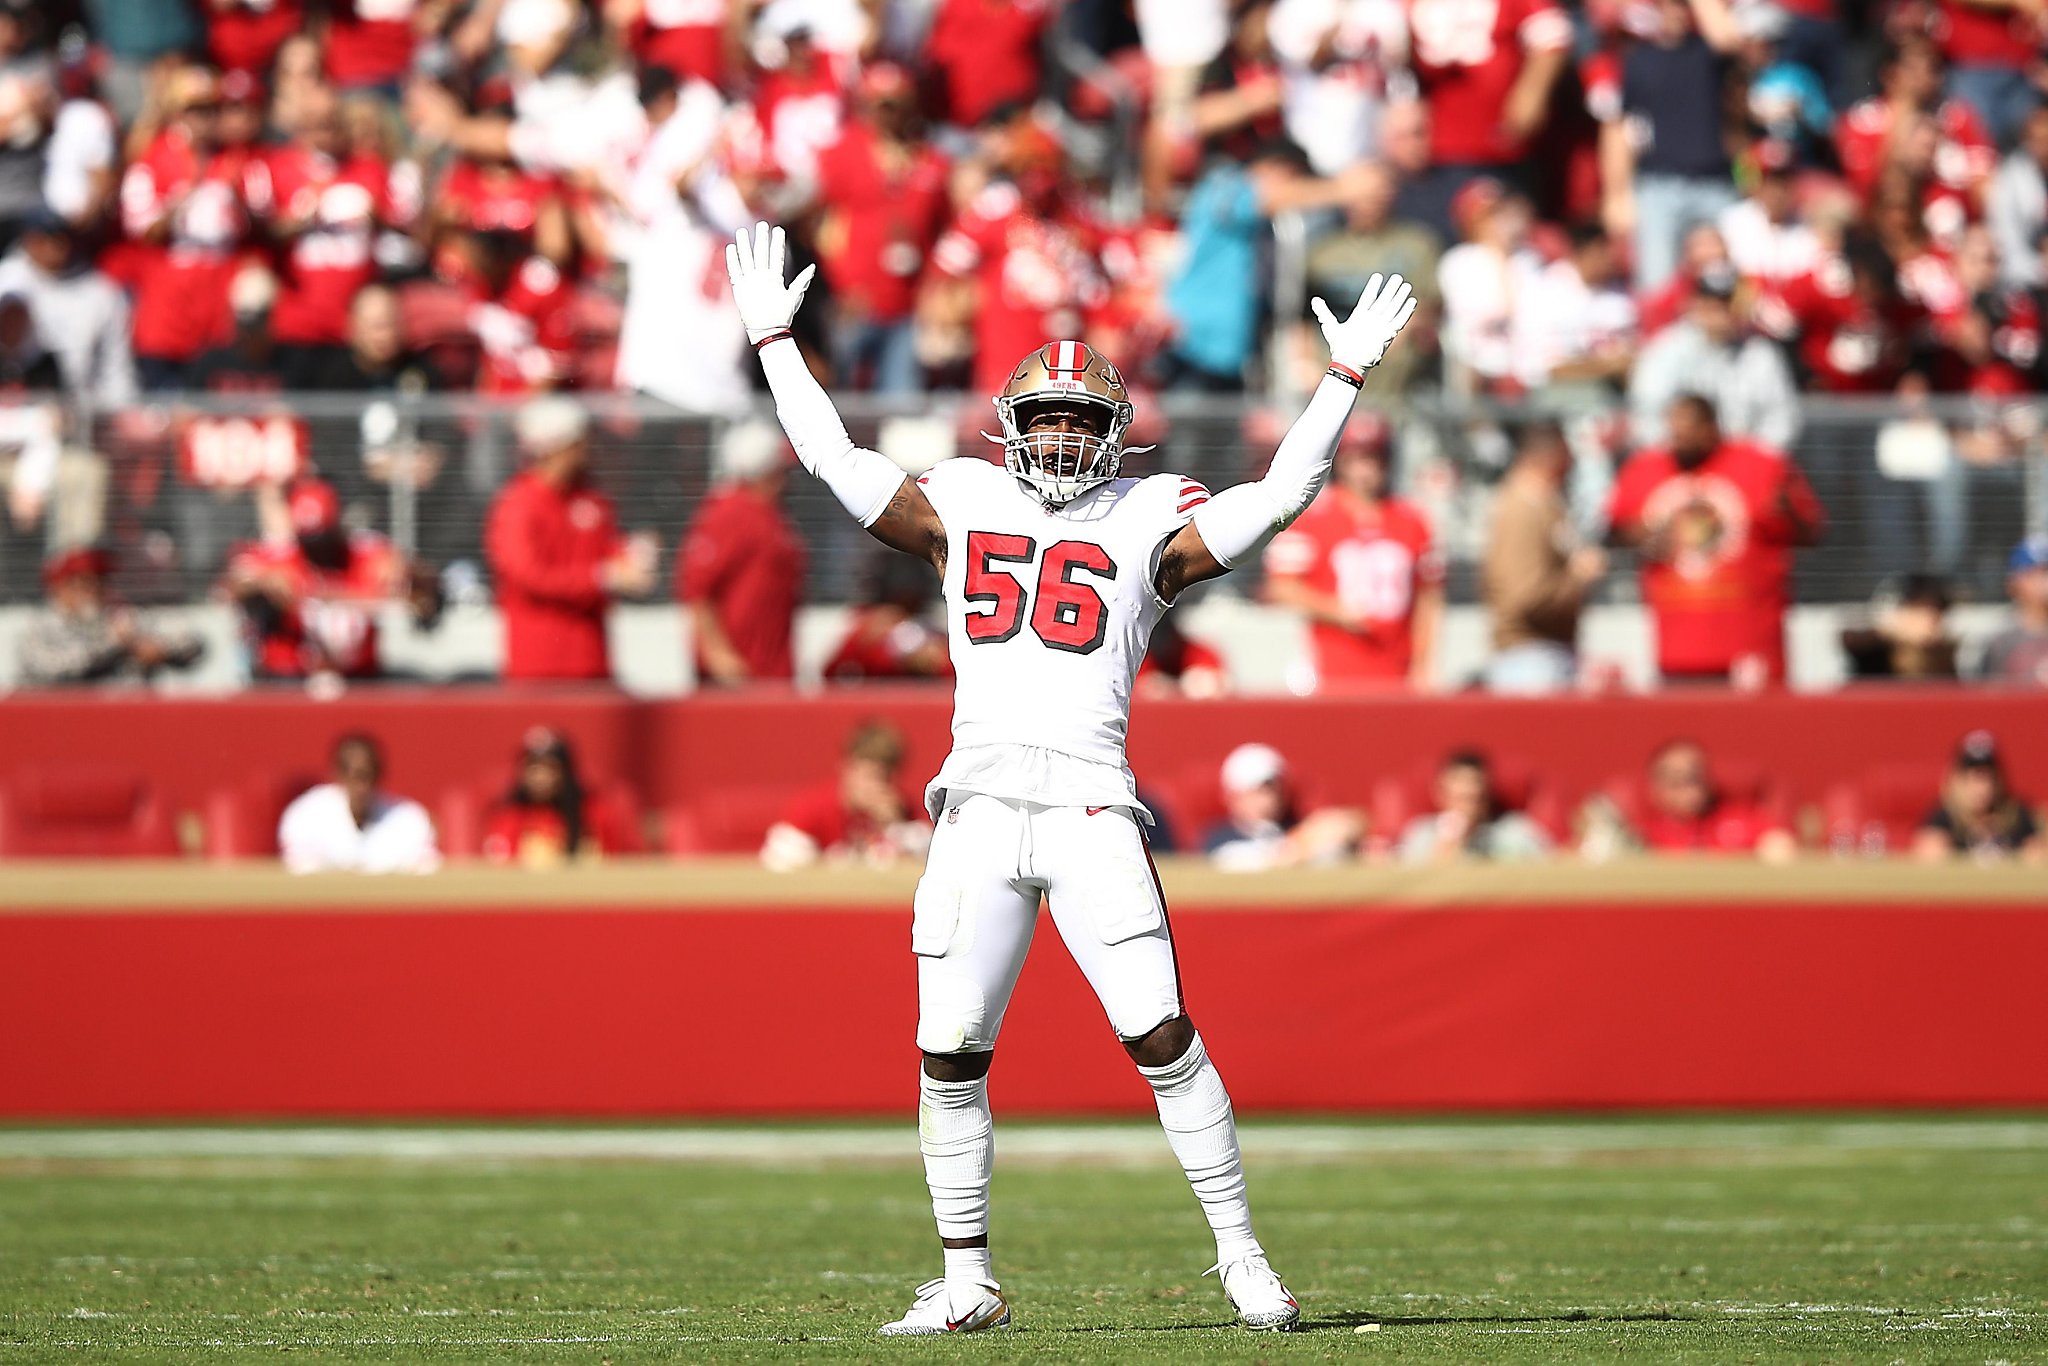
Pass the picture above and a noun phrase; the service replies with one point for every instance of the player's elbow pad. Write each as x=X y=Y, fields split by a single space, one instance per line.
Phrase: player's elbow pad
x=1239 y=520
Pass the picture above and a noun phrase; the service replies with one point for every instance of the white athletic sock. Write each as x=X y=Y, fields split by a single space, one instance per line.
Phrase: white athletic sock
x=957 y=1138
x=1195 y=1110
x=967 y=1265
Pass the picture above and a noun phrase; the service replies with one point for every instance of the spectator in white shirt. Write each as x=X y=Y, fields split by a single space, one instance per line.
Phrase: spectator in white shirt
x=1768 y=238
x=1577 y=322
x=1710 y=352
x=1338 y=59
x=352 y=826
x=1485 y=280
x=2016 y=208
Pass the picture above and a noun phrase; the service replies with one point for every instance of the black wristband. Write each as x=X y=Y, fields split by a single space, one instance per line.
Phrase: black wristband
x=1347 y=374
x=777 y=335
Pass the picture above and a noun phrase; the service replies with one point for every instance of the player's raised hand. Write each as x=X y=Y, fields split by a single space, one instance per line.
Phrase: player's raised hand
x=1361 y=340
x=755 y=262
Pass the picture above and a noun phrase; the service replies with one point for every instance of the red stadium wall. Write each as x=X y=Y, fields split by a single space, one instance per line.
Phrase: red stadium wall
x=744 y=750
x=764 y=1011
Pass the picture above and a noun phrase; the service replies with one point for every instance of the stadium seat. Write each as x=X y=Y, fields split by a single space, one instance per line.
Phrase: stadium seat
x=1878 y=812
x=1399 y=798
x=241 y=822
x=732 y=821
x=84 y=811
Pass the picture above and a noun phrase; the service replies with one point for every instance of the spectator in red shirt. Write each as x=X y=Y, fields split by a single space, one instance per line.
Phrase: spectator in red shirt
x=1687 y=812
x=985 y=54
x=1179 y=665
x=547 y=819
x=1910 y=88
x=1359 y=565
x=310 y=599
x=330 y=203
x=800 y=103
x=186 y=202
x=889 y=635
x=740 y=572
x=516 y=306
x=1714 y=523
x=684 y=37
x=370 y=43
x=1853 y=326
x=1487 y=75
x=1019 y=265
x=556 y=552
x=244 y=35
x=863 y=816
x=883 y=193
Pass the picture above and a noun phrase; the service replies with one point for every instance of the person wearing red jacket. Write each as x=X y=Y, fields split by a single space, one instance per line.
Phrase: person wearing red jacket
x=1714 y=523
x=740 y=572
x=986 y=54
x=556 y=554
x=548 y=818
x=883 y=188
x=185 y=201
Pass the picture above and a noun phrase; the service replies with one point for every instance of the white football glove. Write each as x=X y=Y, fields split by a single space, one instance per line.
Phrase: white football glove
x=1362 y=339
x=755 y=262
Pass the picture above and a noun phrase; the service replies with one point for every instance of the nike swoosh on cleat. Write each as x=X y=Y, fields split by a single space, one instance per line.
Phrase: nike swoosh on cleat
x=1097 y=810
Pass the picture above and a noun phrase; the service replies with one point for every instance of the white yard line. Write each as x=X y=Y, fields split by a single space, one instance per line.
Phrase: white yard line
x=1045 y=1142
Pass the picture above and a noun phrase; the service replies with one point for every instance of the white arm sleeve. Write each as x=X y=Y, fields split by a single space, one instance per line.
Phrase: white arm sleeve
x=1242 y=518
x=862 y=480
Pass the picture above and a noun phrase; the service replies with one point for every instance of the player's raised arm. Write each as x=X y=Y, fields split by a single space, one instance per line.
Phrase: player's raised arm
x=880 y=496
x=1236 y=522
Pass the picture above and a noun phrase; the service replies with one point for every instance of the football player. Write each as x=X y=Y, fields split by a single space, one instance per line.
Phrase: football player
x=1055 y=572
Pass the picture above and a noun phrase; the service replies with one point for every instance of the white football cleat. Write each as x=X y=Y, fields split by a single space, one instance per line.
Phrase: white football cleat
x=936 y=1311
x=1255 y=1292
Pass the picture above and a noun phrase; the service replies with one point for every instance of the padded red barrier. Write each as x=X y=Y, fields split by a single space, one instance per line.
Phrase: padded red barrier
x=727 y=1012
x=684 y=756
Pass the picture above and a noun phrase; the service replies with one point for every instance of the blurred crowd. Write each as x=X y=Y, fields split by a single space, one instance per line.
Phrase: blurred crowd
x=520 y=195
x=1467 y=809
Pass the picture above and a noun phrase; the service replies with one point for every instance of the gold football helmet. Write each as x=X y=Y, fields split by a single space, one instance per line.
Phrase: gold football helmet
x=1082 y=409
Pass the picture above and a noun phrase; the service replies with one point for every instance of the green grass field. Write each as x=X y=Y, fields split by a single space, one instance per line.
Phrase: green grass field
x=1863 y=1239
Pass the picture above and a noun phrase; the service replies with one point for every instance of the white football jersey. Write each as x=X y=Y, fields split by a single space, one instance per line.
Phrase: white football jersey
x=1048 y=616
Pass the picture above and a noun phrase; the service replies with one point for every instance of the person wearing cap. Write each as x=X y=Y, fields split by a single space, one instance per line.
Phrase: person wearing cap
x=1768 y=238
x=311 y=592
x=1263 y=825
x=1711 y=352
x=1714 y=521
x=79 y=637
x=1977 y=814
x=1361 y=568
x=1487 y=281
x=1537 y=570
x=740 y=571
x=2018 y=655
x=186 y=201
x=556 y=555
x=1469 y=821
x=81 y=315
x=883 y=190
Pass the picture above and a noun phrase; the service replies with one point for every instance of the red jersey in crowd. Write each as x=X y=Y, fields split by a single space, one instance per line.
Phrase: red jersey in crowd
x=538 y=837
x=743 y=559
x=1987 y=35
x=1467 y=55
x=1375 y=558
x=1726 y=827
x=181 y=294
x=332 y=623
x=525 y=329
x=1038 y=276
x=370 y=42
x=547 y=546
x=1962 y=160
x=686 y=37
x=1847 y=342
x=1727 y=528
x=494 y=198
x=883 y=643
x=822 y=814
x=986 y=55
x=245 y=35
x=800 y=113
x=882 y=216
x=344 y=202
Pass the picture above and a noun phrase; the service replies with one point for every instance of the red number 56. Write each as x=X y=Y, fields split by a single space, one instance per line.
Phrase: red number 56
x=1069 y=614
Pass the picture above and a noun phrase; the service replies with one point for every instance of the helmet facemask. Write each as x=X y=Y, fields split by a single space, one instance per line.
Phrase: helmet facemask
x=1060 y=466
